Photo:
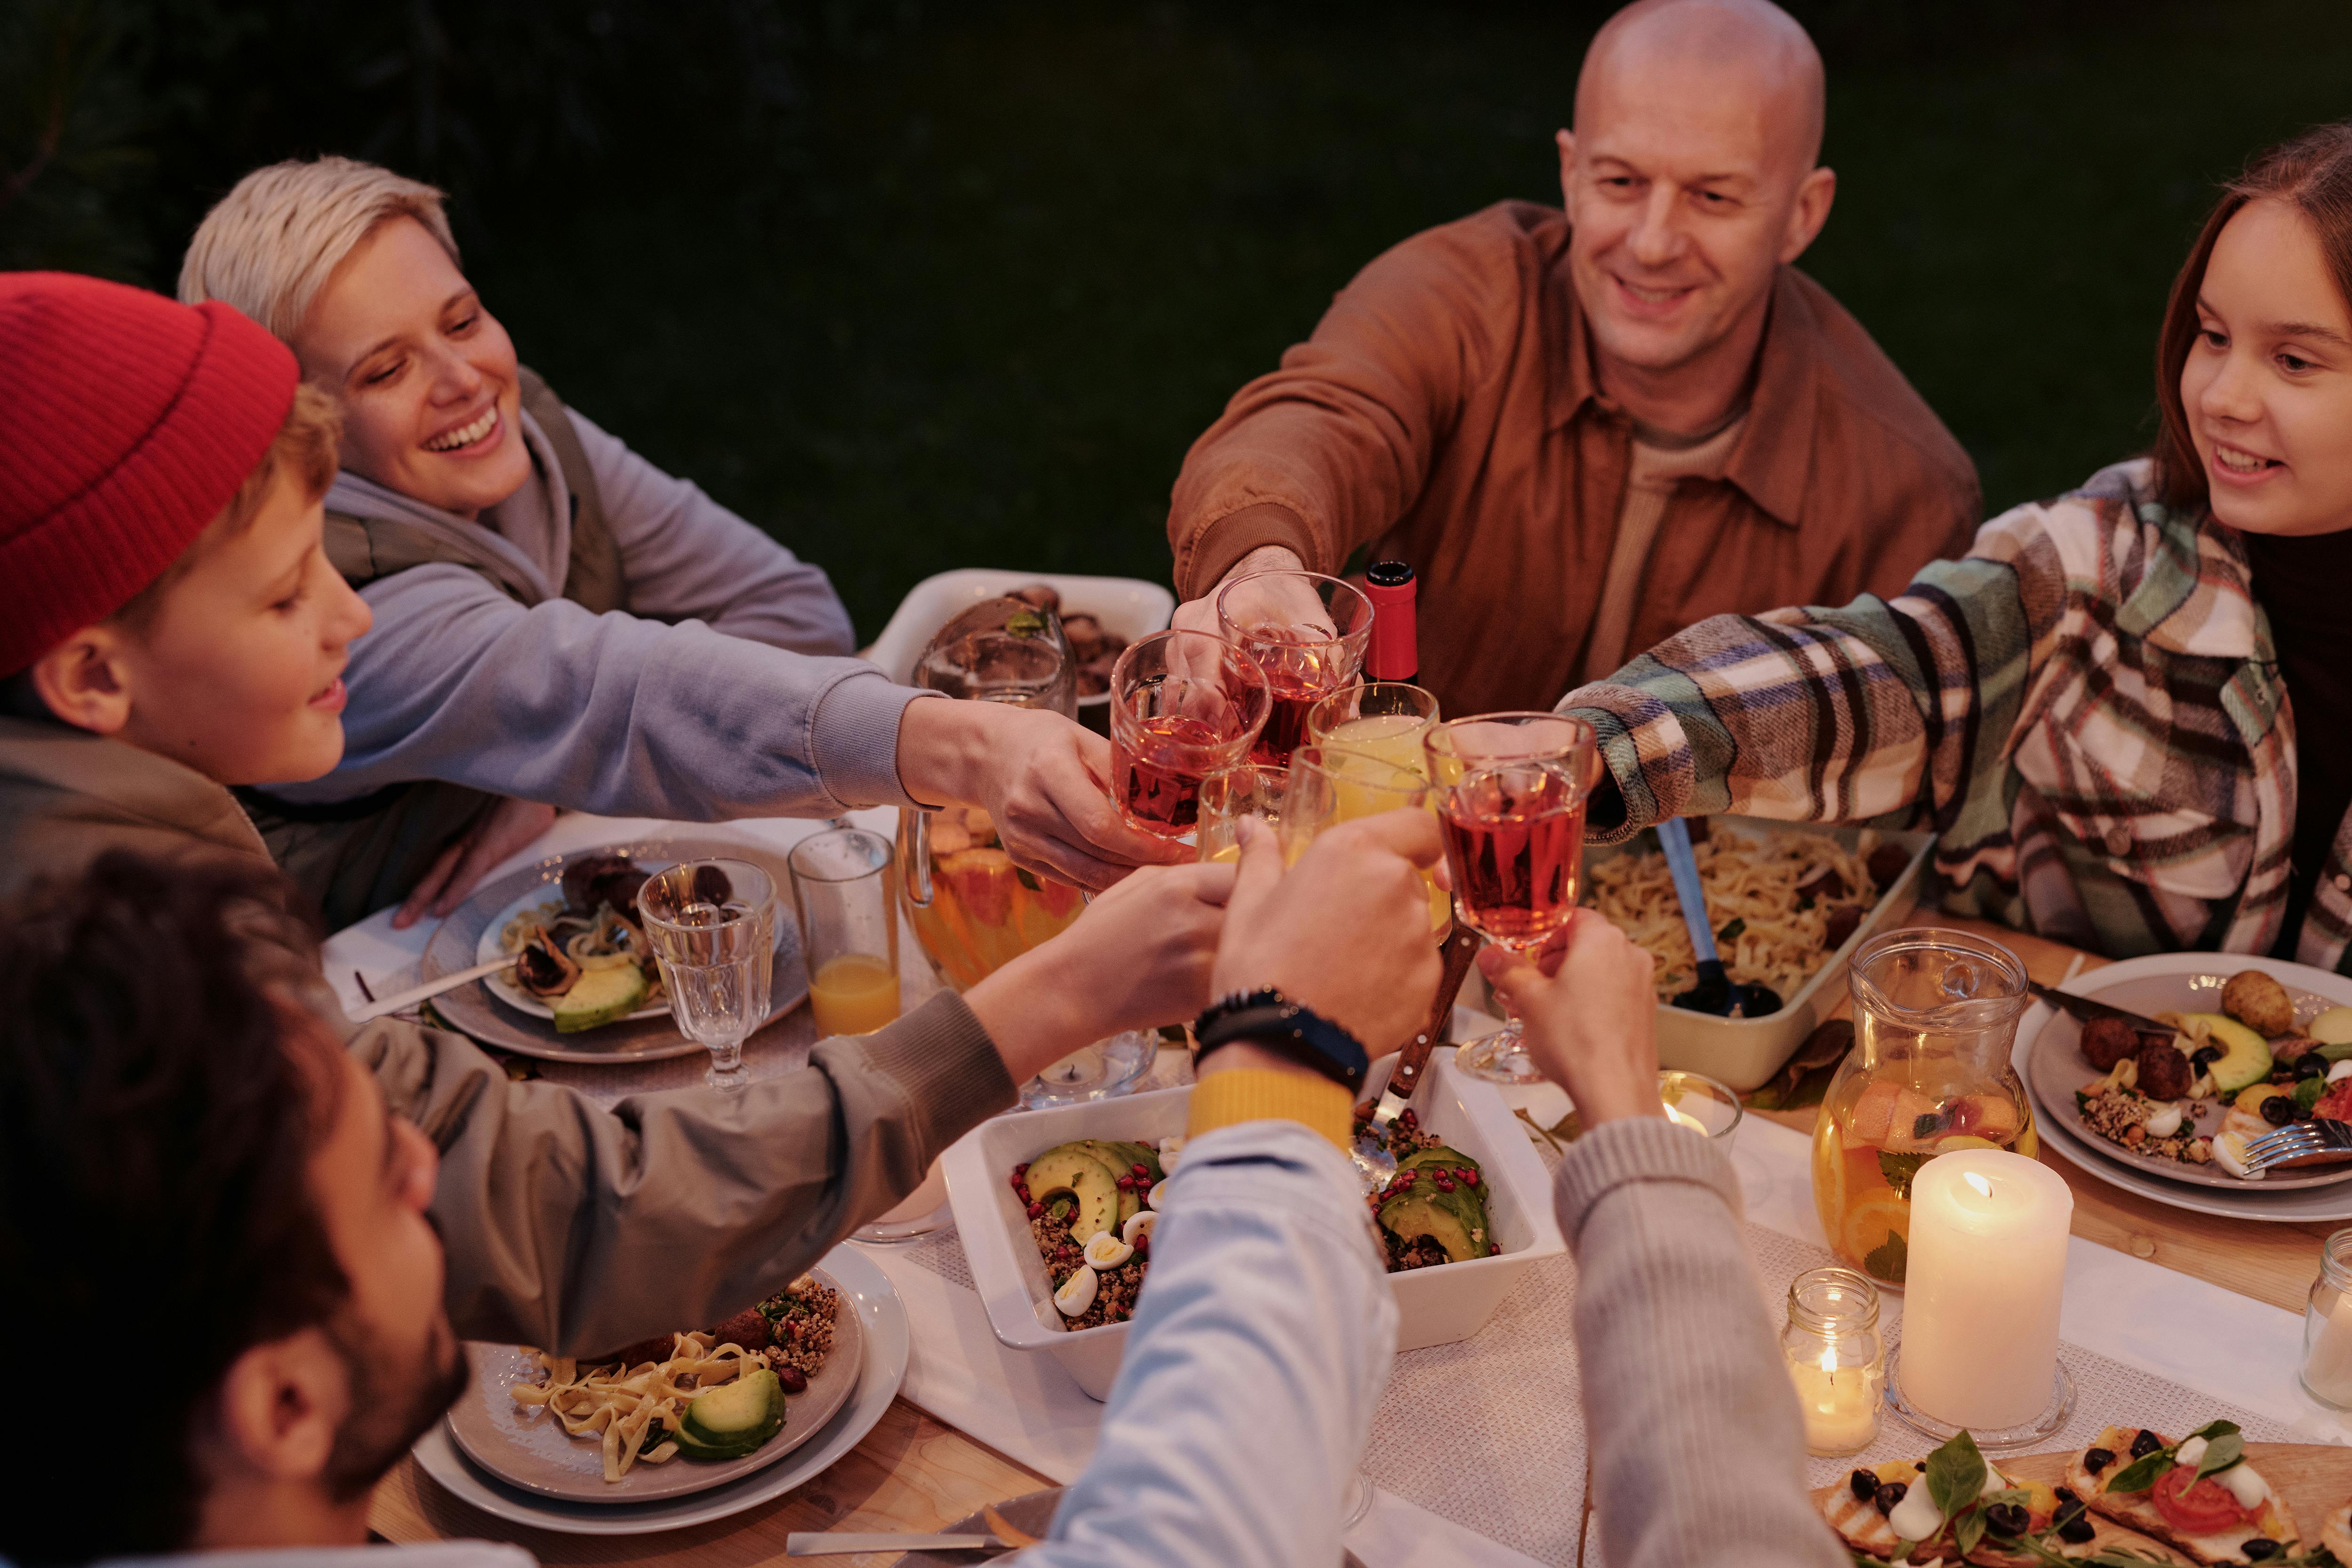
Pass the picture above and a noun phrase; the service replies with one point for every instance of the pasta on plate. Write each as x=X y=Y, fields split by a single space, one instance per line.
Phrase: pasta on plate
x=1780 y=905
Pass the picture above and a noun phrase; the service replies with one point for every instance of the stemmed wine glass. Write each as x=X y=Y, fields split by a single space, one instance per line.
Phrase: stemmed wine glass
x=1184 y=705
x=1511 y=790
x=713 y=924
x=1304 y=661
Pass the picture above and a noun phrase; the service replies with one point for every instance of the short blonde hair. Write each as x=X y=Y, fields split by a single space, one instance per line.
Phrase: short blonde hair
x=271 y=244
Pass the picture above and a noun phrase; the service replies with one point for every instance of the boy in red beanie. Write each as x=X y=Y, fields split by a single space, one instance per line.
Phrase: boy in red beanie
x=175 y=628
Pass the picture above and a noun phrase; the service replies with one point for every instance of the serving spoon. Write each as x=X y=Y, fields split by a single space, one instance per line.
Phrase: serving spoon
x=1715 y=993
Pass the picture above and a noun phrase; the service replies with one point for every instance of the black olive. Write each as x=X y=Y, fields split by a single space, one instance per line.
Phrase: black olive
x=2204 y=1056
x=2098 y=1459
x=2076 y=1530
x=2279 y=1110
x=1889 y=1494
x=2006 y=1518
x=2069 y=1507
x=2261 y=1549
x=2311 y=1065
x=2066 y=1494
x=1864 y=1485
x=2147 y=1443
x=1918 y=1464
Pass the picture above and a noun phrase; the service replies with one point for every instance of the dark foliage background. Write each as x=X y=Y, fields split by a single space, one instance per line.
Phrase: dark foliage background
x=923 y=285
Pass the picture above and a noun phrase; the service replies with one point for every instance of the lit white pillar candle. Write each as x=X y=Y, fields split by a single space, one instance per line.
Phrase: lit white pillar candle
x=1987 y=1264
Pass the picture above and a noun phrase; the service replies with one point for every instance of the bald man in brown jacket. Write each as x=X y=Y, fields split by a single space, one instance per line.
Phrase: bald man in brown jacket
x=1587 y=429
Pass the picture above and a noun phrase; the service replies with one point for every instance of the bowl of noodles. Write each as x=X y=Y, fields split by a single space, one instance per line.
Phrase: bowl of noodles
x=1788 y=903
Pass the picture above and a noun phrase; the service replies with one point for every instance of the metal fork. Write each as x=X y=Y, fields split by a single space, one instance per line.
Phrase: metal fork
x=2296 y=1141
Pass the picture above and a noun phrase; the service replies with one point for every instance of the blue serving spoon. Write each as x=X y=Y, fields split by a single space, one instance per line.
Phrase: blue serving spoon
x=1715 y=993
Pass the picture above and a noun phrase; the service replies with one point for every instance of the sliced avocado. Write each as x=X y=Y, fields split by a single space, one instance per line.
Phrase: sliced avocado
x=1130 y=1204
x=1123 y=1158
x=2245 y=1056
x=599 y=998
x=1075 y=1169
x=732 y=1419
x=1411 y=1216
x=1145 y=1155
x=1442 y=1156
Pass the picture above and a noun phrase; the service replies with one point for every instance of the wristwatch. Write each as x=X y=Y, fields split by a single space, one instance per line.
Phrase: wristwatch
x=1272 y=1020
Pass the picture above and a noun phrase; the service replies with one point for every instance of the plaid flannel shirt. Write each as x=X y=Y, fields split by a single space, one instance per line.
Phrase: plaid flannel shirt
x=2086 y=709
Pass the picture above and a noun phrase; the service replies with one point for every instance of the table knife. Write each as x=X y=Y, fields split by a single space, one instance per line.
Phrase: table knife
x=386 y=1005
x=2082 y=1009
x=1461 y=948
x=836 y=1543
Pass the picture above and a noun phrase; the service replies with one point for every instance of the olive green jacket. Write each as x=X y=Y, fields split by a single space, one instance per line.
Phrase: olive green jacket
x=568 y=1226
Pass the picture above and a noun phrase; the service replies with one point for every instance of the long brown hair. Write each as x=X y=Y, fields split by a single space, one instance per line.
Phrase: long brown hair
x=2314 y=174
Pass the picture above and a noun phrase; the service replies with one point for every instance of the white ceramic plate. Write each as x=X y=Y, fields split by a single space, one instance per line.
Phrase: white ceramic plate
x=526 y=1447
x=882 y=1316
x=503 y=986
x=2238 y=1200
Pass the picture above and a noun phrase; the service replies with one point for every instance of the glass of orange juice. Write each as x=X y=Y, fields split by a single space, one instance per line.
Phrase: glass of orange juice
x=849 y=929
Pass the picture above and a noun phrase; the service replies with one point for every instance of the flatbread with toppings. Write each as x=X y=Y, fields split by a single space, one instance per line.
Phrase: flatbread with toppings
x=2197 y=1493
x=1956 y=1506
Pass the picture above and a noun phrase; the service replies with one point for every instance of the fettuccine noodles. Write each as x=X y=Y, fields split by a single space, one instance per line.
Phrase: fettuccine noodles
x=1780 y=944
x=620 y=1404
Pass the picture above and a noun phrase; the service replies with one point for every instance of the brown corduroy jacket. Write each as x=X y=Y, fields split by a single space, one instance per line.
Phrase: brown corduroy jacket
x=567 y=1226
x=1446 y=414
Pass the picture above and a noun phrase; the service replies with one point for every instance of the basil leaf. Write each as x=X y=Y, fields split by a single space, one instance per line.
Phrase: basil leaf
x=1027 y=880
x=1889 y=1260
x=1956 y=1474
x=1967 y=1529
x=2220 y=1453
x=1732 y=931
x=2212 y=1429
x=2308 y=1090
x=2141 y=1474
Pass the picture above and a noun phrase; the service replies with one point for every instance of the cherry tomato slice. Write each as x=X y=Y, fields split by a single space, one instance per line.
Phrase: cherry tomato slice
x=2205 y=1509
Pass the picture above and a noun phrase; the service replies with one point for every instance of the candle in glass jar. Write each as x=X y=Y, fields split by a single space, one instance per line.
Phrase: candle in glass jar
x=1986 y=1269
x=1840 y=1404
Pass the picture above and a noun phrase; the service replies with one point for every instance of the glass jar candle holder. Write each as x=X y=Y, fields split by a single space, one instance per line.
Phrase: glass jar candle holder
x=2326 y=1373
x=1835 y=1358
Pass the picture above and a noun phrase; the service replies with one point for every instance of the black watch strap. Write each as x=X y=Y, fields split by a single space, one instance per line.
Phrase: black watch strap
x=1272 y=1020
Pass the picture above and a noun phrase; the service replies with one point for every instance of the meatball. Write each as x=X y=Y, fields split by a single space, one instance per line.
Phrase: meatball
x=2164 y=1072
x=747 y=1328
x=2107 y=1041
x=2258 y=1002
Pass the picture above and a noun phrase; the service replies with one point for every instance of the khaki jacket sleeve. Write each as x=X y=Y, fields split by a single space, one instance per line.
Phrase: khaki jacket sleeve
x=1329 y=450
x=580 y=1230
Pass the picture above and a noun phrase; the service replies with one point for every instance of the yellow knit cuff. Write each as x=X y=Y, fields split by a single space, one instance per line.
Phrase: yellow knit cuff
x=1262 y=1094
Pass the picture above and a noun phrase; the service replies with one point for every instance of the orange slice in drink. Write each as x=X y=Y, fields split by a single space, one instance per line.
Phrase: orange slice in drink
x=1870 y=1219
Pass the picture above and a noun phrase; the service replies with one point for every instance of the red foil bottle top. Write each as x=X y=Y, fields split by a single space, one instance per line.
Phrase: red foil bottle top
x=1394 y=653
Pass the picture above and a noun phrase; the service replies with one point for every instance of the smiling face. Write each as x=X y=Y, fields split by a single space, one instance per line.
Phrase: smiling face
x=1689 y=179
x=425 y=376
x=2267 y=387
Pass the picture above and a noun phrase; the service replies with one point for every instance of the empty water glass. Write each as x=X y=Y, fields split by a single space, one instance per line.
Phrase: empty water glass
x=713 y=924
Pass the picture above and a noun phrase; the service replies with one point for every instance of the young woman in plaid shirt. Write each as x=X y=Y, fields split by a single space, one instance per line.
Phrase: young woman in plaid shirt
x=2127 y=713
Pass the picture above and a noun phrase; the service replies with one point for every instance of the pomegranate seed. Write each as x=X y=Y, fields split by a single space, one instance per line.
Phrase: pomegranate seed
x=1443 y=1185
x=1409 y=1119
x=1139 y=1171
x=1021 y=1170
x=1036 y=1211
x=1471 y=1177
x=1017 y=1183
x=1494 y=1248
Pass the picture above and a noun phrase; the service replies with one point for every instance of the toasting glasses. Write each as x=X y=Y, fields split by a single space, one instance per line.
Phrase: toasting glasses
x=713 y=924
x=1184 y=705
x=1511 y=790
x=1309 y=633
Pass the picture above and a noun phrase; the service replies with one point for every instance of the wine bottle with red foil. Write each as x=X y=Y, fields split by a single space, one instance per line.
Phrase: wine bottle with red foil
x=1395 y=652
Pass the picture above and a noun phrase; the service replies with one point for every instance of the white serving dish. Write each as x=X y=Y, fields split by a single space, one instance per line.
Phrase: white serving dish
x=1435 y=1306
x=1129 y=606
x=1746 y=1052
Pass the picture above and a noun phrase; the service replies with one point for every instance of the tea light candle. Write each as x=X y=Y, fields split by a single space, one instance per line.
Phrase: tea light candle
x=1987 y=1266
x=1835 y=1358
x=1840 y=1405
x=2328 y=1325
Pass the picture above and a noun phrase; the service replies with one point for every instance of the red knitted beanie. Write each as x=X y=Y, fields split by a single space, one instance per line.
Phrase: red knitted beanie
x=127 y=422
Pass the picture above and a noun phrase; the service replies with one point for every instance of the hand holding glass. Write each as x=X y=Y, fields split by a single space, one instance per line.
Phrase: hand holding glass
x=1304 y=659
x=1184 y=705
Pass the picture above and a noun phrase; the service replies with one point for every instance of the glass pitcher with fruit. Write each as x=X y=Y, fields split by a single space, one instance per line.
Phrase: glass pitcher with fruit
x=1934 y=1014
x=972 y=910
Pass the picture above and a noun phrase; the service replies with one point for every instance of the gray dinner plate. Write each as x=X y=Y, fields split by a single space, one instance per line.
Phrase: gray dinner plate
x=476 y=1010
x=2170 y=982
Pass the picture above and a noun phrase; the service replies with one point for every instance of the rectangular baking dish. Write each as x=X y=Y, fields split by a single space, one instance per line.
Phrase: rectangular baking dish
x=1435 y=1306
x=1746 y=1052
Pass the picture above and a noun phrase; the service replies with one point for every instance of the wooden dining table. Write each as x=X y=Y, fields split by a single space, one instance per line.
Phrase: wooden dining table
x=912 y=1473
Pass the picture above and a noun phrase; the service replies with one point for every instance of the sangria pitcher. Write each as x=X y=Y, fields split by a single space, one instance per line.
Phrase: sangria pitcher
x=972 y=910
x=1934 y=1014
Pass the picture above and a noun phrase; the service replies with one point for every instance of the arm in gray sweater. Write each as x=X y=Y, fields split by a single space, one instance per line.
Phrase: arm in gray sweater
x=1698 y=1452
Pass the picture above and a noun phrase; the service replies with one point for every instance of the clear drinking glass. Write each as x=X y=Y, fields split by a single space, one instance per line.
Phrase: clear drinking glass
x=1387 y=719
x=713 y=924
x=849 y=929
x=1511 y=791
x=1308 y=632
x=1184 y=705
x=1227 y=797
